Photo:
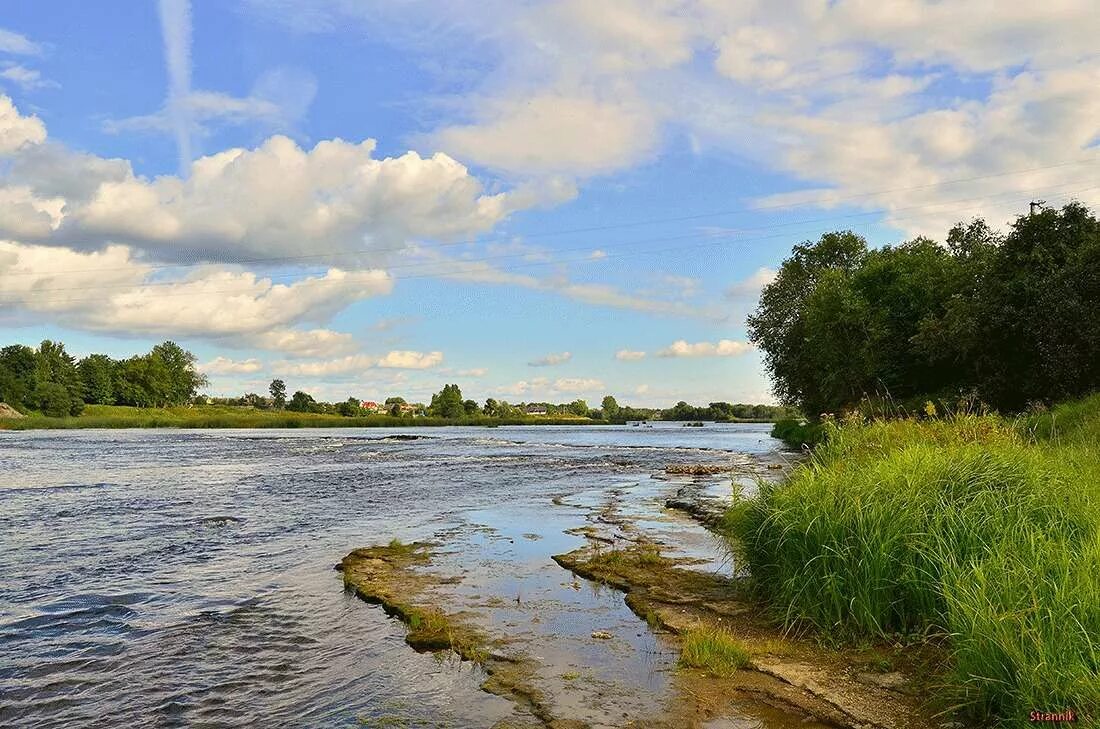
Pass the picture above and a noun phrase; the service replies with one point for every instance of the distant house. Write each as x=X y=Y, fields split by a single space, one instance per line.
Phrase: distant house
x=535 y=410
x=370 y=406
x=407 y=408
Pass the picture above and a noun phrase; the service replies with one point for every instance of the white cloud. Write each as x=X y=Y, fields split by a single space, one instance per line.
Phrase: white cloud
x=722 y=348
x=475 y=372
x=552 y=133
x=110 y=291
x=299 y=342
x=25 y=78
x=627 y=355
x=542 y=387
x=225 y=366
x=409 y=360
x=358 y=363
x=275 y=200
x=16 y=130
x=750 y=287
x=18 y=44
x=175 y=26
x=551 y=359
x=597 y=255
x=577 y=384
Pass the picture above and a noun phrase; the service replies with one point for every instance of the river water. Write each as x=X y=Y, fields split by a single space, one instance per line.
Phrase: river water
x=184 y=578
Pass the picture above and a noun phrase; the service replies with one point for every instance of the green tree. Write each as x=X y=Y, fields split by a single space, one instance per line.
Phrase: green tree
x=278 y=394
x=177 y=379
x=301 y=402
x=610 y=408
x=55 y=366
x=470 y=407
x=395 y=408
x=349 y=407
x=579 y=407
x=447 y=403
x=779 y=327
x=96 y=372
x=18 y=380
x=54 y=399
x=395 y=401
x=491 y=408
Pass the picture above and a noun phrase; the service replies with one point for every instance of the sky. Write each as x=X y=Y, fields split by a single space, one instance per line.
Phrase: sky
x=535 y=200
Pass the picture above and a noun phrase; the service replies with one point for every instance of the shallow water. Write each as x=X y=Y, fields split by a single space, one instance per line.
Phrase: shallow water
x=177 y=578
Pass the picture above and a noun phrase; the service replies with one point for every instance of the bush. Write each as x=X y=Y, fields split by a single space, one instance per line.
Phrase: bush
x=798 y=433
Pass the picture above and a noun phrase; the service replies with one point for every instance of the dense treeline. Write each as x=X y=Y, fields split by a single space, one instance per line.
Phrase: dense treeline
x=51 y=380
x=1008 y=320
x=727 y=412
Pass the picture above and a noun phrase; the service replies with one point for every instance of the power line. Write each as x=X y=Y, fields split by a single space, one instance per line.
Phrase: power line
x=613 y=226
x=453 y=267
x=586 y=247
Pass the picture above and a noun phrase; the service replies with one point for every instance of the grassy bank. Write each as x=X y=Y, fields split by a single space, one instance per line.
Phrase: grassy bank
x=224 y=416
x=975 y=531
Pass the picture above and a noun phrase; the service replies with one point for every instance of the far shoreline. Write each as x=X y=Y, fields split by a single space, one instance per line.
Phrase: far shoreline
x=214 y=417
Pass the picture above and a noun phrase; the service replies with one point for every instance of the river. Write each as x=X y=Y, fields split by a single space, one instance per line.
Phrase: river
x=184 y=578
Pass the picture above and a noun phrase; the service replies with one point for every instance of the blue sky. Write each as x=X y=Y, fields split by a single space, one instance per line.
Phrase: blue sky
x=535 y=200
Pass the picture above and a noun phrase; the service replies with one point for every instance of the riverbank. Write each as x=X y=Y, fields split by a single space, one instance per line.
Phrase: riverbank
x=672 y=615
x=974 y=533
x=228 y=416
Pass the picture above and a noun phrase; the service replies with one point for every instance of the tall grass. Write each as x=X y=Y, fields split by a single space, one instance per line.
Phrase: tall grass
x=982 y=530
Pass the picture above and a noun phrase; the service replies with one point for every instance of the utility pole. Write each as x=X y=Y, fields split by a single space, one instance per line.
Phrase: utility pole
x=1037 y=206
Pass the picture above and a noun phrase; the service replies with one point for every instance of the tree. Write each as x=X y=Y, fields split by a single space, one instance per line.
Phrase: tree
x=301 y=402
x=349 y=407
x=778 y=326
x=579 y=407
x=96 y=372
x=395 y=408
x=178 y=379
x=610 y=408
x=447 y=403
x=54 y=400
x=54 y=366
x=492 y=407
x=278 y=394
x=18 y=379
x=470 y=407
x=395 y=401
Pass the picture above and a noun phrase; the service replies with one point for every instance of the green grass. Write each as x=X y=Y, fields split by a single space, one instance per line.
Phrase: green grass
x=228 y=416
x=714 y=651
x=980 y=531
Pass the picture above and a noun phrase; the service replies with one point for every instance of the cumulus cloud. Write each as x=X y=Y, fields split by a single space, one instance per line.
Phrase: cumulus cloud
x=475 y=372
x=575 y=135
x=16 y=130
x=358 y=363
x=225 y=366
x=750 y=287
x=545 y=387
x=628 y=355
x=551 y=359
x=110 y=291
x=409 y=360
x=852 y=97
x=721 y=348
x=271 y=201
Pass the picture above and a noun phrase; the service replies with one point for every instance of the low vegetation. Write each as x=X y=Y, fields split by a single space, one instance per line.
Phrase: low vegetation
x=713 y=650
x=974 y=531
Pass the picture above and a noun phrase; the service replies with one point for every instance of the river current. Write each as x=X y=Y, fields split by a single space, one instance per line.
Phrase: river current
x=184 y=578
